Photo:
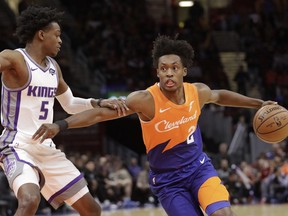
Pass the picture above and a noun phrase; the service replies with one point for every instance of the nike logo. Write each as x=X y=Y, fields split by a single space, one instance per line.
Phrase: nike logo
x=164 y=110
x=202 y=161
x=33 y=69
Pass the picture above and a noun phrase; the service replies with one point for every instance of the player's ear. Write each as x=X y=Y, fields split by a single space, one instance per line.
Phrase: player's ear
x=40 y=34
x=185 y=71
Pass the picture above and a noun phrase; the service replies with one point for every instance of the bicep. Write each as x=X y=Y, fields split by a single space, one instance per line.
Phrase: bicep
x=136 y=101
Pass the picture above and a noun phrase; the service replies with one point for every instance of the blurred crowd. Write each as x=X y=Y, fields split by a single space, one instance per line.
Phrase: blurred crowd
x=107 y=45
x=110 y=43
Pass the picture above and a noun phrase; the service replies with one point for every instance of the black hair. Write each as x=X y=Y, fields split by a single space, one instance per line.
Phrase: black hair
x=164 y=45
x=33 y=19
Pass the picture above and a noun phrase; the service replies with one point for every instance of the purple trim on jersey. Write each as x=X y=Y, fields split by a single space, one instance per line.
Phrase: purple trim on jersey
x=216 y=206
x=177 y=157
x=5 y=108
x=7 y=136
x=65 y=188
x=56 y=68
x=2 y=96
x=17 y=111
x=6 y=121
x=44 y=69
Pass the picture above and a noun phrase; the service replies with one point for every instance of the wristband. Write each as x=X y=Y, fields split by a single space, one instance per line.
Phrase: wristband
x=63 y=125
x=99 y=102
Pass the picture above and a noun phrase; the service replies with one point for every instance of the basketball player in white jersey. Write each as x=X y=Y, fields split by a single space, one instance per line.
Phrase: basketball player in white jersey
x=31 y=80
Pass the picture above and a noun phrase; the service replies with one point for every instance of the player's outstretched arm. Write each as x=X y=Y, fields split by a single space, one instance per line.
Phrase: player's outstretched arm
x=224 y=97
x=79 y=120
x=137 y=102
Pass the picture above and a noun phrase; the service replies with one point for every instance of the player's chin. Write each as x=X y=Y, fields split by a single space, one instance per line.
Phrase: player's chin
x=55 y=53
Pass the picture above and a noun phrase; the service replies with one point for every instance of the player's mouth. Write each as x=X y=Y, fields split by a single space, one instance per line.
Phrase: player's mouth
x=170 y=83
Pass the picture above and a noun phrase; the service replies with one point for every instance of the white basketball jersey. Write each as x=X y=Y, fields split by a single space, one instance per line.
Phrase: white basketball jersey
x=25 y=109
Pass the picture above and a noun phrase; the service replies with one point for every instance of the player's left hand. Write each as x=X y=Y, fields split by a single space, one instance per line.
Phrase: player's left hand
x=116 y=104
x=46 y=131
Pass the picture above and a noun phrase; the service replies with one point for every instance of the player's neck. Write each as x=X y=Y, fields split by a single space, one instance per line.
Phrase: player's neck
x=36 y=54
x=177 y=97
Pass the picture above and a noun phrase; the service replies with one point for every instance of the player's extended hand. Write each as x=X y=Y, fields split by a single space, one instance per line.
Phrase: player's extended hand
x=46 y=131
x=269 y=102
x=116 y=104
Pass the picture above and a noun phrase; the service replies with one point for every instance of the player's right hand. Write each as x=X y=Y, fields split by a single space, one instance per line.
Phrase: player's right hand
x=46 y=131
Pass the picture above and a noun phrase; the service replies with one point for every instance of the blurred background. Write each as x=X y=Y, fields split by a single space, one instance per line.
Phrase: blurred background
x=240 y=45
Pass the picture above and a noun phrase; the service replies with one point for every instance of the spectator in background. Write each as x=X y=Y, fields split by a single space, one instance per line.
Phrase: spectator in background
x=134 y=168
x=142 y=189
x=242 y=80
x=120 y=183
x=224 y=171
x=89 y=172
x=222 y=154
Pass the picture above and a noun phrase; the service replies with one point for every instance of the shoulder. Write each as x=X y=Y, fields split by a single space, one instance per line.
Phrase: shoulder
x=204 y=93
x=139 y=99
x=140 y=96
x=11 y=60
x=201 y=86
x=11 y=54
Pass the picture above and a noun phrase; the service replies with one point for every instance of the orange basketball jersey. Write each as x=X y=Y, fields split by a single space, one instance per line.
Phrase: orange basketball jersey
x=173 y=138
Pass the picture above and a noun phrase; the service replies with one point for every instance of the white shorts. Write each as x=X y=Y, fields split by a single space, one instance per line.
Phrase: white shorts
x=57 y=177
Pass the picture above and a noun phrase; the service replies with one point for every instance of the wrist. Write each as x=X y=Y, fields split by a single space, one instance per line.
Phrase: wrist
x=63 y=125
x=99 y=102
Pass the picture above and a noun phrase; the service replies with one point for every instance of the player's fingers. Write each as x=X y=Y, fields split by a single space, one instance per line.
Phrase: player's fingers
x=122 y=107
x=123 y=103
x=47 y=134
x=43 y=137
x=38 y=133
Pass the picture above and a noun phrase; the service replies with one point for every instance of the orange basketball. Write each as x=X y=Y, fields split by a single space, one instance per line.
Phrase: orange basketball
x=270 y=123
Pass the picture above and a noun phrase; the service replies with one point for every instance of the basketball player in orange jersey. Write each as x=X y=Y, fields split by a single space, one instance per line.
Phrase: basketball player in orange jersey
x=182 y=176
x=31 y=80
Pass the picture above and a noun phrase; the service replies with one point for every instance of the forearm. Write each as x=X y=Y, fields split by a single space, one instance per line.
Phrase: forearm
x=233 y=99
x=90 y=117
x=73 y=104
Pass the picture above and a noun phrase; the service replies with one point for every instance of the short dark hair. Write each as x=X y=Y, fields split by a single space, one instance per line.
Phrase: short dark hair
x=33 y=19
x=165 y=45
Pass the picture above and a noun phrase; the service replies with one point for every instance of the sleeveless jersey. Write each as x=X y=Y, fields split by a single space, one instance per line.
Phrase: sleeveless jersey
x=173 y=138
x=23 y=110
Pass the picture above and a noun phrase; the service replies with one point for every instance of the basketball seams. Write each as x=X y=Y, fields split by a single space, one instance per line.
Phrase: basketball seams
x=282 y=111
x=274 y=130
x=273 y=127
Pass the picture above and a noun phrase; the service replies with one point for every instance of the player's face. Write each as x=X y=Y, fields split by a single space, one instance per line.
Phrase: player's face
x=170 y=72
x=52 y=39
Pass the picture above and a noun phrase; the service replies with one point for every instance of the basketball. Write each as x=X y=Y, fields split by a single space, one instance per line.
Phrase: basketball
x=270 y=123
